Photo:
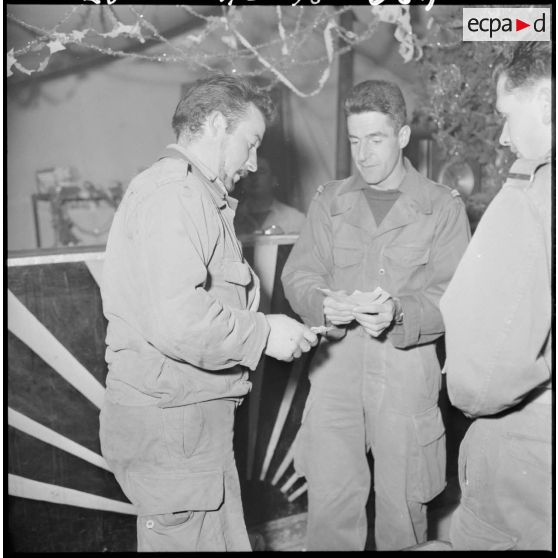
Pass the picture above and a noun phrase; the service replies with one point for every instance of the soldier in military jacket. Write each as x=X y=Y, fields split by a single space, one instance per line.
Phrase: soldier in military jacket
x=498 y=314
x=184 y=330
x=376 y=253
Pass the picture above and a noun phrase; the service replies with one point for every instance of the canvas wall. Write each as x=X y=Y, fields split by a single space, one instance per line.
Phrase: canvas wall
x=112 y=121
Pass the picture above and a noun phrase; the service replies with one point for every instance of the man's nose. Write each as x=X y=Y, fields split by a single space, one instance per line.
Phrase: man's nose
x=363 y=151
x=505 y=136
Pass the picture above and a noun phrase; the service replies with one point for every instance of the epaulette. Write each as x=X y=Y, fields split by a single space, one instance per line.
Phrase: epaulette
x=522 y=172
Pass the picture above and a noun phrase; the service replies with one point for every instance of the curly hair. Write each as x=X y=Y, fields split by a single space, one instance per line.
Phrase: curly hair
x=526 y=64
x=378 y=96
x=230 y=95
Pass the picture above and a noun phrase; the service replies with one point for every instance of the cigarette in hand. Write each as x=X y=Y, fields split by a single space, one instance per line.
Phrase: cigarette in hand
x=320 y=330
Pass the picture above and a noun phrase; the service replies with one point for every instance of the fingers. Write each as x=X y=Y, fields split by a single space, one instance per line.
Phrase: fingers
x=387 y=307
x=306 y=345
x=374 y=324
x=297 y=353
x=304 y=340
x=371 y=308
x=337 y=319
x=310 y=338
x=336 y=305
x=374 y=332
x=338 y=313
x=288 y=339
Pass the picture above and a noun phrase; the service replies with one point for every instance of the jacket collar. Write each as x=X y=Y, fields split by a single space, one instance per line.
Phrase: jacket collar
x=201 y=171
x=414 y=199
x=413 y=188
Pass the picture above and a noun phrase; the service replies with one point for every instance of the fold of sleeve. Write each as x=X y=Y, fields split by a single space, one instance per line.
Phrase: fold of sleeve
x=498 y=310
x=187 y=322
x=422 y=321
x=307 y=267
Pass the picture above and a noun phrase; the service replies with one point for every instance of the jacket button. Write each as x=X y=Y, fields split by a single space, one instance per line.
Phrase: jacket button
x=149 y=524
x=381 y=271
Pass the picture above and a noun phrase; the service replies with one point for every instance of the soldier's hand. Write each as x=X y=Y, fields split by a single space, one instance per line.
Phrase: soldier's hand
x=288 y=339
x=375 y=317
x=338 y=309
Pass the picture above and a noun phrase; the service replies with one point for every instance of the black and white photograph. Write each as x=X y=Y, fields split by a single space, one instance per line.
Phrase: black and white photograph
x=279 y=277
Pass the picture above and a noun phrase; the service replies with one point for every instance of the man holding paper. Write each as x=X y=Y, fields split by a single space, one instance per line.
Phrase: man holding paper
x=371 y=263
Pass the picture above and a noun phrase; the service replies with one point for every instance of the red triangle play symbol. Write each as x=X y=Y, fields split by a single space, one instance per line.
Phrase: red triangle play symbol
x=519 y=24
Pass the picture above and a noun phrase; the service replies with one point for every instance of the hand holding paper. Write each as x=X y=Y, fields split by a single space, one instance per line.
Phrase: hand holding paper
x=377 y=296
x=338 y=307
x=375 y=317
x=374 y=310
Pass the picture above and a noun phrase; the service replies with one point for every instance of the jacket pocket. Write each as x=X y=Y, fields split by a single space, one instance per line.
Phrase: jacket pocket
x=182 y=429
x=347 y=256
x=407 y=255
x=237 y=272
x=168 y=492
x=427 y=468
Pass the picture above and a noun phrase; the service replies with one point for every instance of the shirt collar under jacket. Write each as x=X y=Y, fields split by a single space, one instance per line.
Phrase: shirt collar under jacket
x=413 y=186
x=209 y=177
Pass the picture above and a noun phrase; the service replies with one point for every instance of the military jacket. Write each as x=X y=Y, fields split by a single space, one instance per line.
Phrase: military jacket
x=179 y=297
x=412 y=254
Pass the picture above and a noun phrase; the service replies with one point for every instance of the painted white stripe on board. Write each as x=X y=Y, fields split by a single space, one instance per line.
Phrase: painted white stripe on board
x=298 y=493
x=290 y=482
x=265 y=263
x=37 y=337
x=48 y=259
x=287 y=460
x=33 y=428
x=35 y=490
x=286 y=403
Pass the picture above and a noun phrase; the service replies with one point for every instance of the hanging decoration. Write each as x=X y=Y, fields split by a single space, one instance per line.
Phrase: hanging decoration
x=400 y=16
x=286 y=49
x=457 y=105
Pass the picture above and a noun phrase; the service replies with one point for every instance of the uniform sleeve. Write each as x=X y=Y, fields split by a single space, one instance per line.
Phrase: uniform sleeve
x=307 y=267
x=422 y=321
x=497 y=310
x=188 y=323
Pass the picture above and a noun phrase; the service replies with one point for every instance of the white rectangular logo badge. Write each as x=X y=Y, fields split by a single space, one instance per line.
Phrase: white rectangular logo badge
x=507 y=24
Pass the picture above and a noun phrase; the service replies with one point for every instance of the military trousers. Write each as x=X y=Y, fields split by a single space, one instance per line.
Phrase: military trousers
x=505 y=475
x=361 y=400
x=177 y=466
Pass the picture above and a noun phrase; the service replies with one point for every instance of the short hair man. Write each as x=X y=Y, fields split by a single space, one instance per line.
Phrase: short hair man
x=371 y=263
x=498 y=316
x=183 y=327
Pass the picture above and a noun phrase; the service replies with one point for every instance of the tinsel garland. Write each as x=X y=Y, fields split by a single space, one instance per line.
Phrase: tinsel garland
x=288 y=40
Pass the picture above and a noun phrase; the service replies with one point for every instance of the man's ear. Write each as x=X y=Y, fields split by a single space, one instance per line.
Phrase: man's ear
x=216 y=123
x=544 y=98
x=404 y=136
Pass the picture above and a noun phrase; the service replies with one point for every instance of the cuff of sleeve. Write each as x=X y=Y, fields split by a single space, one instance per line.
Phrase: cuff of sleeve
x=407 y=334
x=256 y=341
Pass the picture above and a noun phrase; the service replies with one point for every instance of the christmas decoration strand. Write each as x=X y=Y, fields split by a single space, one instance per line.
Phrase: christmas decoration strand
x=282 y=53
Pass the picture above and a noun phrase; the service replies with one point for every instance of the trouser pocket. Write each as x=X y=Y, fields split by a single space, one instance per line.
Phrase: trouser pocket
x=178 y=511
x=168 y=492
x=427 y=464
